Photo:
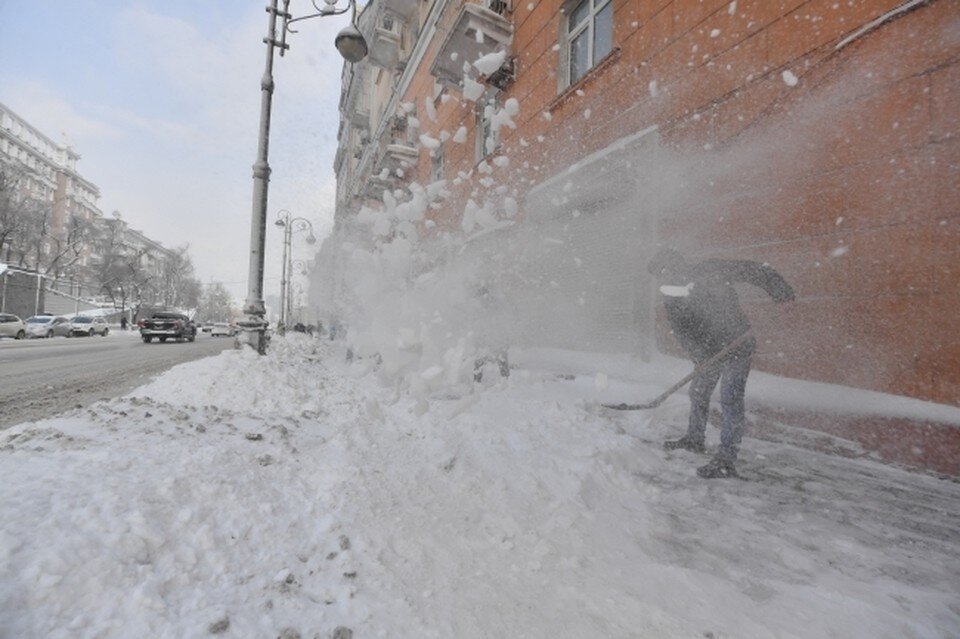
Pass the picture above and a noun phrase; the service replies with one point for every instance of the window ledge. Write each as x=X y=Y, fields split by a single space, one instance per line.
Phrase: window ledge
x=588 y=78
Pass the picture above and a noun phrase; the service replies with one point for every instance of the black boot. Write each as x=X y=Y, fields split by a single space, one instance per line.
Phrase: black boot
x=718 y=468
x=686 y=443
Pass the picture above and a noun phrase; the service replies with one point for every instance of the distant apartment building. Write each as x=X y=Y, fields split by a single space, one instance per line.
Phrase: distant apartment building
x=51 y=179
x=820 y=136
x=48 y=179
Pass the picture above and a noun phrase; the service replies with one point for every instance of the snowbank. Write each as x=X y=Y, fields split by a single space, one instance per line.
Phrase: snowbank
x=293 y=494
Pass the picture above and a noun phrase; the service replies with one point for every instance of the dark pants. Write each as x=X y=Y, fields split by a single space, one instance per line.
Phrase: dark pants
x=733 y=373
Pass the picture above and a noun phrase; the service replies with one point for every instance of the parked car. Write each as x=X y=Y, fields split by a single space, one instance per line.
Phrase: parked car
x=89 y=326
x=206 y=327
x=12 y=326
x=223 y=328
x=48 y=326
x=166 y=325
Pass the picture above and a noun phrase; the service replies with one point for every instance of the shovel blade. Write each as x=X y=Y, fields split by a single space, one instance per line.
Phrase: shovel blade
x=631 y=406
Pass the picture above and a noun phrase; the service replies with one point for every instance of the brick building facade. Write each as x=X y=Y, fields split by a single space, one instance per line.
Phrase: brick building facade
x=821 y=136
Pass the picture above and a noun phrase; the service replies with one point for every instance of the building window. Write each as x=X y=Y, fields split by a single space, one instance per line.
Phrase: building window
x=587 y=37
x=488 y=138
x=436 y=169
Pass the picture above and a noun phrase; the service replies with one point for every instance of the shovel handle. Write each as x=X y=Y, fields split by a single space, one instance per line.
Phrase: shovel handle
x=720 y=356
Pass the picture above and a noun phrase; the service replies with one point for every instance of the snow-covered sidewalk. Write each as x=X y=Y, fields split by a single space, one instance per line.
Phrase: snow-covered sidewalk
x=290 y=496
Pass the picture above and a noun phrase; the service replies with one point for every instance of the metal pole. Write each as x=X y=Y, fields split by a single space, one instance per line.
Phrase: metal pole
x=290 y=276
x=36 y=304
x=283 y=274
x=255 y=324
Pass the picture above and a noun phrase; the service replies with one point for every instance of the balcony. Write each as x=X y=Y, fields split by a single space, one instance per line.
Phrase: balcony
x=408 y=10
x=400 y=156
x=375 y=186
x=462 y=39
x=358 y=109
x=385 y=41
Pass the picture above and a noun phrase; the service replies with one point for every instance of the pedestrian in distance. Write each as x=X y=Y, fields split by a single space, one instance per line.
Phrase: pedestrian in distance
x=704 y=312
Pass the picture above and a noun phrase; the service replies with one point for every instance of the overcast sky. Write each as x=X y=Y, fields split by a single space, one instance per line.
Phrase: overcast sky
x=161 y=98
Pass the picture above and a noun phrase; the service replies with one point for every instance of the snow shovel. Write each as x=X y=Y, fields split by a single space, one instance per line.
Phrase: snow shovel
x=683 y=382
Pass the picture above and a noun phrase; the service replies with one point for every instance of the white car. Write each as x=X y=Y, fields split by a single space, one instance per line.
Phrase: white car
x=12 y=326
x=89 y=326
x=223 y=329
x=48 y=326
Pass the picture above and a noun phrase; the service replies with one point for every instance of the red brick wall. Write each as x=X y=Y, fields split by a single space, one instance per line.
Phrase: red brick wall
x=863 y=153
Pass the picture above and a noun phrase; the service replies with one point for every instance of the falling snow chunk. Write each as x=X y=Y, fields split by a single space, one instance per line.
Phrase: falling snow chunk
x=454 y=56
x=600 y=381
x=530 y=6
x=430 y=143
x=512 y=107
x=461 y=135
x=488 y=64
x=501 y=161
x=432 y=373
x=654 y=91
x=479 y=36
x=472 y=90
x=789 y=79
x=556 y=47
x=732 y=9
x=431 y=110
x=676 y=291
x=547 y=116
x=715 y=33
x=839 y=251
x=586 y=114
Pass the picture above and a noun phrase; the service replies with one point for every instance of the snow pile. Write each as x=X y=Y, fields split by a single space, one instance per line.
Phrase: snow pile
x=330 y=502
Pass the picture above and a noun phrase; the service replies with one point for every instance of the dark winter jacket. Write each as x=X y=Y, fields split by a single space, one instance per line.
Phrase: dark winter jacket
x=703 y=308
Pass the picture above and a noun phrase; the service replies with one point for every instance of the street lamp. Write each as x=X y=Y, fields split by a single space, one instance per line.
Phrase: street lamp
x=290 y=225
x=353 y=48
x=299 y=267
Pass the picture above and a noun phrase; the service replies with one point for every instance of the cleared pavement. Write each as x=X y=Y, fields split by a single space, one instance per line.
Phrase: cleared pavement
x=43 y=377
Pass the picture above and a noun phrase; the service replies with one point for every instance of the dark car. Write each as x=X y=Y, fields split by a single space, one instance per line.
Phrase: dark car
x=167 y=325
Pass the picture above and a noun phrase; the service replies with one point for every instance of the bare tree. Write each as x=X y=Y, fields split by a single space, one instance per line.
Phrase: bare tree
x=26 y=236
x=15 y=213
x=120 y=273
x=181 y=289
x=216 y=303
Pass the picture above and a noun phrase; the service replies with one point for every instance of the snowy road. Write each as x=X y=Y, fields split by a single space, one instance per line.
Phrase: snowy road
x=291 y=495
x=40 y=378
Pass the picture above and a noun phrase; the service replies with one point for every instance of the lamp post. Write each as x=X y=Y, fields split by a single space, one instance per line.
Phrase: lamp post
x=351 y=45
x=301 y=267
x=289 y=224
